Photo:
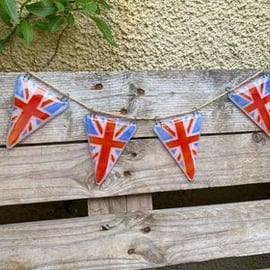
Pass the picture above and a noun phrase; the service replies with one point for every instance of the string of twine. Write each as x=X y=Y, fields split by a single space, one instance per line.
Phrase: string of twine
x=119 y=115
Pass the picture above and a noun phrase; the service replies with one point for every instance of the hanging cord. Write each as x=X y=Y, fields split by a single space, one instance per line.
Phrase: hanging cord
x=216 y=98
x=63 y=93
x=118 y=115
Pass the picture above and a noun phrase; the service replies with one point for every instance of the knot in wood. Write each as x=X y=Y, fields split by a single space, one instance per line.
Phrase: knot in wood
x=148 y=250
x=258 y=138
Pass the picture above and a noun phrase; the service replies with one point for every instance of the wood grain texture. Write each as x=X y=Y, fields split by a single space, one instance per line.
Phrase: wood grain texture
x=62 y=172
x=165 y=93
x=139 y=202
x=107 y=206
x=121 y=204
x=138 y=240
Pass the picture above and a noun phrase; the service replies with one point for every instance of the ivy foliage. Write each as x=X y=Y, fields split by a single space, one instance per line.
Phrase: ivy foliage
x=49 y=15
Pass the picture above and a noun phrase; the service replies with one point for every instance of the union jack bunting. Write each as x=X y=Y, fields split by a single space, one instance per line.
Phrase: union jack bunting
x=33 y=107
x=254 y=100
x=181 y=138
x=107 y=139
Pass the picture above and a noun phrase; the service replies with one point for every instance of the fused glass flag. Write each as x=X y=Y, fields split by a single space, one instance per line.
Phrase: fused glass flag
x=254 y=100
x=181 y=136
x=107 y=139
x=33 y=106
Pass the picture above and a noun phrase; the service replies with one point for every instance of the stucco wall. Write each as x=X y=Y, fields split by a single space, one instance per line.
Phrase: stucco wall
x=162 y=34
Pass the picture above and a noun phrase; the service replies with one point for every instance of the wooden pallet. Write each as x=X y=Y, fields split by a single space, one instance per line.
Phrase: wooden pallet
x=122 y=230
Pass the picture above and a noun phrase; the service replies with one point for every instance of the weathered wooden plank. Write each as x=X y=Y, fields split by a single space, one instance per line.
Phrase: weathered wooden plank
x=107 y=206
x=165 y=93
x=138 y=240
x=120 y=204
x=139 y=202
x=60 y=172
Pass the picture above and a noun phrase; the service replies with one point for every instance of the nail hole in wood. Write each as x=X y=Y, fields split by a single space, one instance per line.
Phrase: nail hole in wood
x=123 y=111
x=140 y=91
x=133 y=154
x=127 y=173
x=131 y=251
x=146 y=229
x=98 y=86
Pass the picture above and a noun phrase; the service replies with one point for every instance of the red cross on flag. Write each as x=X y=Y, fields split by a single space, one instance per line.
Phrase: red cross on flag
x=180 y=137
x=254 y=100
x=33 y=107
x=107 y=139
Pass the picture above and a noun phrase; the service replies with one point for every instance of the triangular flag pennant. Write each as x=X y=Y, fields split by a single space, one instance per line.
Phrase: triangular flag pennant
x=33 y=107
x=254 y=100
x=181 y=136
x=107 y=139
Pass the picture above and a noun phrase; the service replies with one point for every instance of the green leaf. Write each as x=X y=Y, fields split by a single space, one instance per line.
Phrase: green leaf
x=2 y=44
x=19 y=32
x=54 y=22
x=60 y=7
x=70 y=19
x=4 y=15
x=42 y=25
x=105 y=29
x=9 y=7
x=89 y=7
x=43 y=8
x=105 y=4
x=98 y=11
x=26 y=29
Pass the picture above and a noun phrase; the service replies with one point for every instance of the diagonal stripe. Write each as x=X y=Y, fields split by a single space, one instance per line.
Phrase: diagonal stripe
x=168 y=129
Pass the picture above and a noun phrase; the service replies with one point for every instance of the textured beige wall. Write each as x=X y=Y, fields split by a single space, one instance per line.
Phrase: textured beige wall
x=162 y=34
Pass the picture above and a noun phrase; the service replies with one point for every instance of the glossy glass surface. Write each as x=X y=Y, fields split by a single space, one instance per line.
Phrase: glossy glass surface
x=180 y=137
x=33 y=107
x=107 y=139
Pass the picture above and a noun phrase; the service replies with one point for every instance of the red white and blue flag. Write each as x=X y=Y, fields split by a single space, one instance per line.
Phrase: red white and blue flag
x=181 y=138
x=33 y=107
x=107 y=139
x=254 y=100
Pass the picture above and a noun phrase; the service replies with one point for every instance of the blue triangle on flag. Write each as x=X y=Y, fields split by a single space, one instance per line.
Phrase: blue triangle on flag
x=180 y=137
x=107 y=139
x=33 y=107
